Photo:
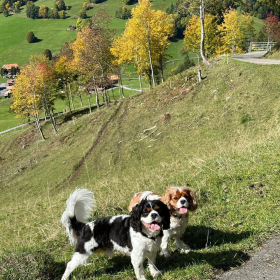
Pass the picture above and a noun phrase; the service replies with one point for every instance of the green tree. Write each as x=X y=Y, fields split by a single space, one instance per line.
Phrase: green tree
x=30 y=37
x=32 y=11
x=48 y=54
x=82 y=13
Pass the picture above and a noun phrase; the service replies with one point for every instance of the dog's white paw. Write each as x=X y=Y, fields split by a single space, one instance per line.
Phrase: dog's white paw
x=156 y=274
x=165 y=253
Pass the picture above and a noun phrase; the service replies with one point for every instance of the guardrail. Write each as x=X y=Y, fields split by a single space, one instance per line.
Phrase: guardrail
x=261 y=46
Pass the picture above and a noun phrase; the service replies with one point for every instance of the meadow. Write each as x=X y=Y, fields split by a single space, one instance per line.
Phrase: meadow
x=221 y=136
x=51 y=33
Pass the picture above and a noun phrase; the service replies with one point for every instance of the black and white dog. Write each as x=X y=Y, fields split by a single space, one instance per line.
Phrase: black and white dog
x=138 y=235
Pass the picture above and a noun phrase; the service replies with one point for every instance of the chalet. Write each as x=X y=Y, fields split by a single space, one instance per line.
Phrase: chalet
x=114 y=78
x=9 y=67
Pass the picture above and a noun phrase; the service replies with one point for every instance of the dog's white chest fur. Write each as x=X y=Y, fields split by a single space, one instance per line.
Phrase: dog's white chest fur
x=177 y=225
x=141 y=243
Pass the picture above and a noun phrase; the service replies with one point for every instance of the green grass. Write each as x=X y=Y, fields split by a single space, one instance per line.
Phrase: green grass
x=222 y=137
x=8 y=119
x=51 y=33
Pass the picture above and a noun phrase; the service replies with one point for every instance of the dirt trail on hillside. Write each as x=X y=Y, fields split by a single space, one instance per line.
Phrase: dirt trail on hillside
x=257 y=58
x=77 y=171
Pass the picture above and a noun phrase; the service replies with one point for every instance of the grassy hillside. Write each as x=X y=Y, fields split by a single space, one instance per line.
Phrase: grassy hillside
x=222 y=136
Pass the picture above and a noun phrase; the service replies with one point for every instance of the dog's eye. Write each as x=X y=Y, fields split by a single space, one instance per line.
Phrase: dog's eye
x=148 y=209
x=156 y=207
x=175 y=198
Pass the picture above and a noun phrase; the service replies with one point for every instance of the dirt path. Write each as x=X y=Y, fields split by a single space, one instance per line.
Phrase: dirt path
x=255 y=57
x=77 y=171
x=264 y=265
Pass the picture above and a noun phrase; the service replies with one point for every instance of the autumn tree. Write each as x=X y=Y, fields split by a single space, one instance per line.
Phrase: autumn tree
x=30 y=88
x=43 y=11
x=146 y=38
x=92 y=56
x=236 y=31
x=271 y=27
x=193 y=35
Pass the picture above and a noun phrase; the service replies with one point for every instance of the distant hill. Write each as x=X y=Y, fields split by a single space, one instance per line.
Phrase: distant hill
x=52 y=33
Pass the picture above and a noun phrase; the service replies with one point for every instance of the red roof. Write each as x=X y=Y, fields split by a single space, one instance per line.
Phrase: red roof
x=9 y=66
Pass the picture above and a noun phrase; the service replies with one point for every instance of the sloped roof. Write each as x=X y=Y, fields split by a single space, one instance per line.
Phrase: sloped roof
x=9 y=66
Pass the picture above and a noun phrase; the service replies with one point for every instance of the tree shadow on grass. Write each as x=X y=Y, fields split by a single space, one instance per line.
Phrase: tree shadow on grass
x=199 y=237
x=76 y=113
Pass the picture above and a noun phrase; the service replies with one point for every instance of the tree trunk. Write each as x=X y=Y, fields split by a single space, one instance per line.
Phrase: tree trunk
x=66 y=91
x=89 y=103
x=202 y=16
x=120 y=83
x=161 y=70
x=71 y=96
x=50 y=115
x=97 y=99
x=81 y=101
x=37 y=121
x=140 y=82
x=150 y=56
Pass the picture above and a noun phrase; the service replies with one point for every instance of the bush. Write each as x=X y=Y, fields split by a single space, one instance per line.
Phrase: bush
x=82 y=14
x=48 y=54
x=30 y=37
x=276 y=47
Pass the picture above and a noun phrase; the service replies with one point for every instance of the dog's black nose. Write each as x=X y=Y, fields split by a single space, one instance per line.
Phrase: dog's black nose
x=183 y=201
x=153 y=216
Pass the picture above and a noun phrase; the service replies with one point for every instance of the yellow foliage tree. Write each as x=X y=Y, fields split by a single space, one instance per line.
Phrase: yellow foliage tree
x=30 y=88
x=235 y=30
x=193 y=35
x=146 y=38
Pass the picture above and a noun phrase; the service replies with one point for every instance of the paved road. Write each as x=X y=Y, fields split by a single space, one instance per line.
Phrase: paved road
x=255 y=57
x=264 y=265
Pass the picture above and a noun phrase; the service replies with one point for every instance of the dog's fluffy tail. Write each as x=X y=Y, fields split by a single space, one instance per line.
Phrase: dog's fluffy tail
x=79 y=206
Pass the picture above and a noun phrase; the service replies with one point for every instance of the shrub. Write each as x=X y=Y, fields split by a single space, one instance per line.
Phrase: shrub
x=48 y=54
x=30 y=37
x=82 y=14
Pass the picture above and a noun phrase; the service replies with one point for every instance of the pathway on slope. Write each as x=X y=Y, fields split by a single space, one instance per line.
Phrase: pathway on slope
x=264 y=265
x=255 y=57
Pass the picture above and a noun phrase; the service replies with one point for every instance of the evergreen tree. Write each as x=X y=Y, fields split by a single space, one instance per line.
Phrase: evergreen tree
x=30 y=37
x=48 y=54
x=32 y=11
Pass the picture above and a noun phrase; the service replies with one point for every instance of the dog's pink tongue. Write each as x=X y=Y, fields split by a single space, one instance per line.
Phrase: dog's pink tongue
x=155 y=227
x=183 y=210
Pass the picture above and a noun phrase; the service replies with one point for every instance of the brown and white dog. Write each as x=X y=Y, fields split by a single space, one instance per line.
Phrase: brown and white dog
x=179 y=200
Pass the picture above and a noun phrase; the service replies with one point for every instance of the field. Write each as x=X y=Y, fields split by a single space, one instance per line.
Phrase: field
x=51 y=33
x=221 y=136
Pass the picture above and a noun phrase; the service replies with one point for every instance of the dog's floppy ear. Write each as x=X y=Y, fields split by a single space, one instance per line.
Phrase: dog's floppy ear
x=167 y=197
x=193 y=202
x=165 y=215
x=135 y=216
